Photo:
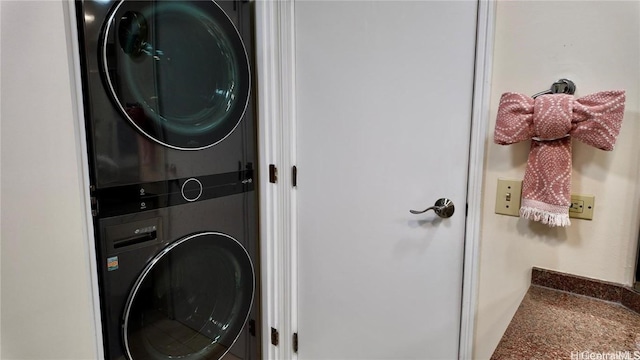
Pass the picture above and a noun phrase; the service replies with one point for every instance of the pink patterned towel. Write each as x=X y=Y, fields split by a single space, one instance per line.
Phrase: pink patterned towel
x=550 y=121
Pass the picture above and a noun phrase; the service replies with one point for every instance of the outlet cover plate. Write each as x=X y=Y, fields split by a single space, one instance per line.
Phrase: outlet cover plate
x=508 y=197
x=582 y=206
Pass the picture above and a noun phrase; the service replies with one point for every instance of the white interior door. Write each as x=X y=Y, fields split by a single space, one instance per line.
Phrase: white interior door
x=384 y=99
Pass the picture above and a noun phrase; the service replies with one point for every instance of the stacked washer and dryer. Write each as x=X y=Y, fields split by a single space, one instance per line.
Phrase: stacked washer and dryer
x=170 y=122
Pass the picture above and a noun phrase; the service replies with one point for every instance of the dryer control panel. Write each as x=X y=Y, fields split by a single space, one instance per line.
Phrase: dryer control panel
x=128 y=199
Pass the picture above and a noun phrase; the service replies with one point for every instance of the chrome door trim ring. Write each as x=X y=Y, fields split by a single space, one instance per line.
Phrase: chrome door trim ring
x=150 y=266
x=124 y=112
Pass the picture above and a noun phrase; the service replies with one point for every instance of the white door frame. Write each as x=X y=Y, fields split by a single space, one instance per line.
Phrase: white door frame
x=277 y=145
x=479 y=123
x=77 y=100
x=275 y=41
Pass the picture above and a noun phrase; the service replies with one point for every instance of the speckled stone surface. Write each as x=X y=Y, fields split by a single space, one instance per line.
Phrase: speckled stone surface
x=631 y=299
x=589 y=287
x=551 y=324
x=576 y=284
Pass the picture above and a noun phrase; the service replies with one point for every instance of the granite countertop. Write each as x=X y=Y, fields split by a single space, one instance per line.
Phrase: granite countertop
x=557 y=324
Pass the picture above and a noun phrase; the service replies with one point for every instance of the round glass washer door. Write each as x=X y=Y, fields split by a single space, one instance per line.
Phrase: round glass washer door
x=177 y=71
x=191 y=301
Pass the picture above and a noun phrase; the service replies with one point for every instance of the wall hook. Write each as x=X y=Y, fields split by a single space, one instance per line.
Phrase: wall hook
x=562 y=86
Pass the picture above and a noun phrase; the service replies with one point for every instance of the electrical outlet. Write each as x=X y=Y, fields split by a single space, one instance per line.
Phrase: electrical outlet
x=577 y=206
x=508 y=197
x=582 y=206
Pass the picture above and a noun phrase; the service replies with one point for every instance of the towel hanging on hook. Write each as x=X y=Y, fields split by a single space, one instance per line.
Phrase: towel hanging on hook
x=549 y=119
x=562 y=86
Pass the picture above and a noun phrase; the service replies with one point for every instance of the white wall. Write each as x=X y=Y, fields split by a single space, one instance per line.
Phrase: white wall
x=46 y=300
x=597 y=45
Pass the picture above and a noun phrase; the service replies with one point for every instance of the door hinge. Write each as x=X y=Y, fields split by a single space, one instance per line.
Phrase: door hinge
x=93 y=200
x=275 y=337
x=273 y=174
x=295 y=342
x=252 y=327
x=466 y=210
x=94 y=206
x=294 y=176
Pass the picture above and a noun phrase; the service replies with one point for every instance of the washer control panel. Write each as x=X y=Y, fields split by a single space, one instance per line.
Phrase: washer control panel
x=191 y=189
x=130 y=199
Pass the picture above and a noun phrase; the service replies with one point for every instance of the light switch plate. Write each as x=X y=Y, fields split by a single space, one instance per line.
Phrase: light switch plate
x=582 y=206
x=508 y=197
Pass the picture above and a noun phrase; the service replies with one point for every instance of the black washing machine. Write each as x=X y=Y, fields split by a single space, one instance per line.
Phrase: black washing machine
x=169 y=109
x=179 y=282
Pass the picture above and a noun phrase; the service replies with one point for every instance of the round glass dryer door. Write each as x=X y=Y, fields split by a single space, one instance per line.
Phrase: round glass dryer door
x=191 y=301
x=177 y=70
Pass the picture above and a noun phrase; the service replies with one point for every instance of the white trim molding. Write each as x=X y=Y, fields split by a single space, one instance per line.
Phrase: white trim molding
x=75 y=72
x=480 y=119
x=277 y=145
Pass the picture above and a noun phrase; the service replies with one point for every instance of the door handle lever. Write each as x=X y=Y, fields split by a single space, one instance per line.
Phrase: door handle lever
x=443 y=208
